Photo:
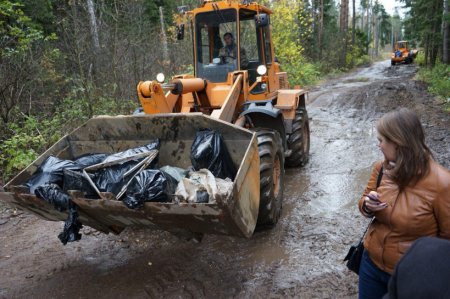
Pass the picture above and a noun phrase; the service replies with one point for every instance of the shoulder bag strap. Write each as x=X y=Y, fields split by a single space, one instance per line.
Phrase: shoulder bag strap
x=380 y=176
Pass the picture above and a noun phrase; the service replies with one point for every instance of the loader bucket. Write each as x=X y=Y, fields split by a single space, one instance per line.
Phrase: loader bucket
x=235 y=215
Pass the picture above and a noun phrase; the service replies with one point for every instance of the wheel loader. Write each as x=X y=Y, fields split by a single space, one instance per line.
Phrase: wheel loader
x=402 y=53
x=244 y=96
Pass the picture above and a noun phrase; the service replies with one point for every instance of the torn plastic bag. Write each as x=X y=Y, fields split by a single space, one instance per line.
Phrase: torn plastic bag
x=90 y=159
x=209 y=151
x=202 y=187
x=133 y=151
x=72 y=226
x=50 y=172
x=53 y=194
x=75 y=180
x=148 y=186
x=173 y=175
x=175 y=172
x=111 y=179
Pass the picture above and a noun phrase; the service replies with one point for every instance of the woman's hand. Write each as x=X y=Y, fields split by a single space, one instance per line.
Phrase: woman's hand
x=372 y=203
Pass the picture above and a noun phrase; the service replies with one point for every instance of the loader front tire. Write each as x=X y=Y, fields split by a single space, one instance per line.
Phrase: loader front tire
x=271 y=168
x=298 y=141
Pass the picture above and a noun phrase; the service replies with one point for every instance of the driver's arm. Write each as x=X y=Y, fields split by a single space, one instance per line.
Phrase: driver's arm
x=222 y=55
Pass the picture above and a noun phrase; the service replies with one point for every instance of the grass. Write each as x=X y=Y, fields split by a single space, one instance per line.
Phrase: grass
x=437 y=78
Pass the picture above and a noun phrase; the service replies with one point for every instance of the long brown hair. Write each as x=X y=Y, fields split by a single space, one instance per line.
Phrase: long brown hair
x=403 y=128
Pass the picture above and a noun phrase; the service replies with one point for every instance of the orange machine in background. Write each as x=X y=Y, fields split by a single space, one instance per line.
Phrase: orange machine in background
x=402 y=53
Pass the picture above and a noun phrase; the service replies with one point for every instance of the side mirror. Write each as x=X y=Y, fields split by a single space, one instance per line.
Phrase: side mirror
x=180 y=32
x=261 y=20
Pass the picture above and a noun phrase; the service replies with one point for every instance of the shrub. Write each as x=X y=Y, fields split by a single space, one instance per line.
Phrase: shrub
x=438 y=79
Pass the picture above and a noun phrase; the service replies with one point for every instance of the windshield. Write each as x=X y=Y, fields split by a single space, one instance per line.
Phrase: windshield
x=216 y=44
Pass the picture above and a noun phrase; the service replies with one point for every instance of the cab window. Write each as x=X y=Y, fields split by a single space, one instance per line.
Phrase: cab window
x=210 y=28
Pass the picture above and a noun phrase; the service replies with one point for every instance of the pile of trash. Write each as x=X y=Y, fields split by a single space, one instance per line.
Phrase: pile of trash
x=133 y=177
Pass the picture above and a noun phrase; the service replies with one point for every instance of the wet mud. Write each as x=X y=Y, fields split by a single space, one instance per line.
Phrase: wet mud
x=301 y=257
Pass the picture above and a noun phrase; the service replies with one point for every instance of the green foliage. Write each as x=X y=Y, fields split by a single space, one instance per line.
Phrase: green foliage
x=303 y=73
x=291 y=24
x=356 y=54
x=41 y=13
x=438 y=79
x=423 y=23
x=16 y=29
x=30 y=135
x=420 y=58
x=152 y=10
x=29 y=138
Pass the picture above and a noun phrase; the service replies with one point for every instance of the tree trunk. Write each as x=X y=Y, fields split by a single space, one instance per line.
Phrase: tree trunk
x=362 y=19
x=93 y=22
x=320 y=28
x=164 y=36
x=377 y=34
x=437 y=24
x=368 y=25
x=343 y=27
x=446 y=39
x=353 y=23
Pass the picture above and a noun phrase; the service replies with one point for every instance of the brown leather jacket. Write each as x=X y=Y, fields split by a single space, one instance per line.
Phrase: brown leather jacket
x=422 y=210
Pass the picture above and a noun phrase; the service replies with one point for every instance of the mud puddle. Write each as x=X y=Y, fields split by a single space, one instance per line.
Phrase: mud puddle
x=301 y=257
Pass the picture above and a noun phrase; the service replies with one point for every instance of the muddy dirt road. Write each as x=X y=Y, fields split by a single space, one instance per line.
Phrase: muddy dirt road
x=301 y=257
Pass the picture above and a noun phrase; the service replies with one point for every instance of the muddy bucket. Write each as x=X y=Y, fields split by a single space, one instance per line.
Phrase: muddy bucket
x=236 y=214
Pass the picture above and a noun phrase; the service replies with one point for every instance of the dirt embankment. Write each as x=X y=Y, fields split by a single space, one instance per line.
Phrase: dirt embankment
x=301 y=257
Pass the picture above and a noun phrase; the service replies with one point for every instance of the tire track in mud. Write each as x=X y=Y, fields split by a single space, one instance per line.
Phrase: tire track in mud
x=301 y=257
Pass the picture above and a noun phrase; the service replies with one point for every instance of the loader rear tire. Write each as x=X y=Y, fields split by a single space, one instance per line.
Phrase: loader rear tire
x=271 y=168
x=298 y=141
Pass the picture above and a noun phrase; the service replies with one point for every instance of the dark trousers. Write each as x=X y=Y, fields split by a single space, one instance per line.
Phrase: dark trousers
x=373 y=282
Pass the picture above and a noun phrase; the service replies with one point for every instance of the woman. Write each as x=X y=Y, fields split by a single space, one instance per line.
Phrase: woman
x=412 y=201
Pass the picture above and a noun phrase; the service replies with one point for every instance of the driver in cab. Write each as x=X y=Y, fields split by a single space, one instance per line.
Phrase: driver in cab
x=228 y=54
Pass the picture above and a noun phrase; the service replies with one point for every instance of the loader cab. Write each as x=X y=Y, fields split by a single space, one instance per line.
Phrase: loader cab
x=401 y=45
x=215 y=56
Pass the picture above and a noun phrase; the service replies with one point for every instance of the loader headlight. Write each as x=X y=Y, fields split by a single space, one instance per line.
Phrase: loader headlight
x=261 y=70
x=160 y=78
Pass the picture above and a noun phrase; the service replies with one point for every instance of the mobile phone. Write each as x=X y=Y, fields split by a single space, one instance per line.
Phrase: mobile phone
x=372 y=197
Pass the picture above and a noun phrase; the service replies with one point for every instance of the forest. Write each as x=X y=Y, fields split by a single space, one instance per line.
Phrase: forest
x=62 y=62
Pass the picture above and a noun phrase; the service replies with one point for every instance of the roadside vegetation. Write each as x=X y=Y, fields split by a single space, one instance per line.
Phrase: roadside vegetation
x=437 y=78
x=62 y=62
x=427 y=25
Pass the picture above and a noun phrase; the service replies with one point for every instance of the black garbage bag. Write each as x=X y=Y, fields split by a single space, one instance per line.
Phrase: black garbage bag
x=148 y=186
x=90 y=159
x=111 y=179
x=210 y=152
x=72 y=226
x=50 y=172
x=173 y=176
x=75 y=180
x=53 y=194
x=202 y=196
x=133 y=151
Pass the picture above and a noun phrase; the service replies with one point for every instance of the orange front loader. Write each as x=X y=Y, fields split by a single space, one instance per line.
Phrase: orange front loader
x=249 y=91
x=402 y=53
x=243 y=94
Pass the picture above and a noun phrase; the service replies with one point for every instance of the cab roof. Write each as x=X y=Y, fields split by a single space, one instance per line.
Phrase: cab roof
x=211 y=5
